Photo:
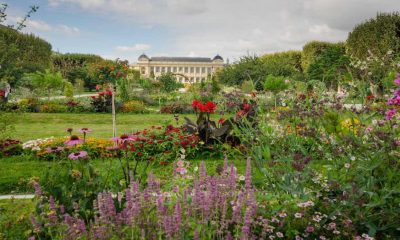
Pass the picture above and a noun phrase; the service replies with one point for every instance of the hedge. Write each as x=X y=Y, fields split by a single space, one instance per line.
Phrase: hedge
x=286 y=64
x=378 y=35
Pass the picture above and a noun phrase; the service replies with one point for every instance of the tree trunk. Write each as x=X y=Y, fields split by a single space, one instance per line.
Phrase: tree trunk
x=114 y=119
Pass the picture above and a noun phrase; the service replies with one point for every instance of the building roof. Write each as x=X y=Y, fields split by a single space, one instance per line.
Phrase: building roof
x=218 y=57
x=180 y=59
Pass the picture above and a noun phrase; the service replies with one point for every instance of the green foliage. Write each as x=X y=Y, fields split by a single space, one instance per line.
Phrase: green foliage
x=377 y=35
x=133 y=107
x=249 y=68
x=311 y=51
x=46 y=81
x=68 y=90
x=275 y=84
x=74 y=66
x=21 y=53
x=330 y=65
x=286 y=64
x=79 y=86
x=169 y=83
x=248 y=86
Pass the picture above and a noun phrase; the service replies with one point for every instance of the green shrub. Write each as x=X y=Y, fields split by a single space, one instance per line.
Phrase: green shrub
x=68 y=90
x=378 y=35
x=286 y=64
x=330 y=65
x=51 y=107
x=247 y=86
x=133 y=107
x=311 y=51
x=275 y=84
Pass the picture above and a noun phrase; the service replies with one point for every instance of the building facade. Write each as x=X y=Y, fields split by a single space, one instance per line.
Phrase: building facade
x=185 y=69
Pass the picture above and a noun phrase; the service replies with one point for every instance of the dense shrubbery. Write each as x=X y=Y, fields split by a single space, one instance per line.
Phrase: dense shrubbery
x=377 y=36
x=287 y=64
x=21 y=53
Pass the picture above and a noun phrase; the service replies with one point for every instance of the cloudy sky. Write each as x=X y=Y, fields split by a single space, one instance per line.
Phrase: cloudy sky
x=232 y=28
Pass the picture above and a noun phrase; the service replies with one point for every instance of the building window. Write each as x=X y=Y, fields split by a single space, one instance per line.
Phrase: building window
x=203 y=79
x=157 y=69
x=143 y=70
x=197 y=79
x=191 y=69
x=180 y=69
x=168 y=69
x=203 y=70
x=209 y=70
x=186 y=69
x=197 y=70
x=174 y=70
x=162 y=69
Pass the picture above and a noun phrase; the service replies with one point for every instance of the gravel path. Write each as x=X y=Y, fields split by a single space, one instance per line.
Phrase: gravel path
x=22 y=196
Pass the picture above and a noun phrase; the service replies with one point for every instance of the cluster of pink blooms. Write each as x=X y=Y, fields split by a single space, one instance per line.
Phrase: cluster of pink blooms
x=394 y=101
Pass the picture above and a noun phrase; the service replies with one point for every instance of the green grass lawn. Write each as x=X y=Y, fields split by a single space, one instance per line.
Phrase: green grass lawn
x=30 y=126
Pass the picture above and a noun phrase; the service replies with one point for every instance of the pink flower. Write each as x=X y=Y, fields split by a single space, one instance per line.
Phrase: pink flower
x=390 y=113
x=397 y=81
x=73 y=140
x=77 y=155
x=181 y=170
x=124 y=138
x=85 y=130
x=310 y=229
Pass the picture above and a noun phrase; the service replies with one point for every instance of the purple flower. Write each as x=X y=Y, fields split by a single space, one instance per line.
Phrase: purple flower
x=390 y=113
x=85 y=130
x=77 y=155
x=54 y=149
x=73 y=140
x=397 y=81
x=124 y=138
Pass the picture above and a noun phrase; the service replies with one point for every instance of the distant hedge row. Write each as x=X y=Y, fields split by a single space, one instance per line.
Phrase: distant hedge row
x=21 y=53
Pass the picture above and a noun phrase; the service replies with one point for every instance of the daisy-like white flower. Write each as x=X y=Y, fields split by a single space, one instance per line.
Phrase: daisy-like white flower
x=77 y=155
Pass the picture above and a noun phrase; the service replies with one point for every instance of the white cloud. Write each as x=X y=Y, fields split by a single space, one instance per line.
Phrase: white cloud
x=235 y=28
x=38 y=26
x=135 y=48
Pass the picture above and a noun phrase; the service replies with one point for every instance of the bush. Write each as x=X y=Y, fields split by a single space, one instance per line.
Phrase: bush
x=52 y=107
x=286 y=64
x=68 y=90
x=378 y=35
x=311 y=51
x=9 y=147
x=330 y=65
x=133 y=107
x=176 y=108
x=169 y=83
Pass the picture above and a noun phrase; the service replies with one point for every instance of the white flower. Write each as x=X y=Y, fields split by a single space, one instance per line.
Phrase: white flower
x=347 y=165
x=241 y=178
x=196 y=169
x=279 y=235
x=298 y=215
x=352 y=158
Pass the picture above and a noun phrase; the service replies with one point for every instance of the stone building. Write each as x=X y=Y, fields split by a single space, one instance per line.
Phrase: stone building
x=185 y=69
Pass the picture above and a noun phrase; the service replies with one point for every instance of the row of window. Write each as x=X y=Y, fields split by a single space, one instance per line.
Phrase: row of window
x=190 y=80
x=181 y=69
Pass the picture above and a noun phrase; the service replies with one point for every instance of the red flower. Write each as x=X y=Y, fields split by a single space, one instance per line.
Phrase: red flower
x=101 y=93
x=221 y=120
x=246 y=107
x=370 y=97
x=240 y=113
x=195 y=104
x=211 y=106
x=97 y=87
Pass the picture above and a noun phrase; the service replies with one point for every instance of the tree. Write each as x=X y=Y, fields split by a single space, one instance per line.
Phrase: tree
x=247 y=68
x=330 y=66
x=169 y=83
x=47 y=81
x=275 y=85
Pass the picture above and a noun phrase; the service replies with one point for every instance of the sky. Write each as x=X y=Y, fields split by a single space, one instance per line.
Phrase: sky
x=192 y=28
